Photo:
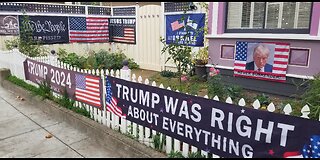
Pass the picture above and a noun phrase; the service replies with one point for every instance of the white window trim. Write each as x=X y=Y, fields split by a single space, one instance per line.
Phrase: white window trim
x=281 y=4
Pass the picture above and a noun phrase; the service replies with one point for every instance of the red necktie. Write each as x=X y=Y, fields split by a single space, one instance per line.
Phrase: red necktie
x=259 y=69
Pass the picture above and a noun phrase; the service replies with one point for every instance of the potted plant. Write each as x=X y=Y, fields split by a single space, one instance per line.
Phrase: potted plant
x=200 y=60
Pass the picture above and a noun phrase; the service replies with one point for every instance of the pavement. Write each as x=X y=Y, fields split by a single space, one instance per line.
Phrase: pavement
x=28 y=132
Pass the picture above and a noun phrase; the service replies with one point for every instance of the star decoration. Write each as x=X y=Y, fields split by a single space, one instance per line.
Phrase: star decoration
x=242 y=110
x=161 y=110
x=271 y=152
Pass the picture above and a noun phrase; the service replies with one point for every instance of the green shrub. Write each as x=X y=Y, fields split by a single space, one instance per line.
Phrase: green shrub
x=196 y=155
x=26 y=44
x=216 y=87
x=263 y=99
x=97 y=60
x=176 y=154
x=312 y=97
x=167 y=73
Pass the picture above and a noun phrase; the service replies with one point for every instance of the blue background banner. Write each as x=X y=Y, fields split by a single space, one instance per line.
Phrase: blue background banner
x=48 y=29
x=175 y=29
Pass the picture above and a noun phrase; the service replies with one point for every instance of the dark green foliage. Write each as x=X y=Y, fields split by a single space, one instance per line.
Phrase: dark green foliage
x=167 y=73
x=158 y=142
x=44 y=91
x=312 y=97
x=216 y=87
x=176 y=154
x=196 y=155
x=263 y=99
x=235 y=92
x=23 y=84
x=69 y=104
x=96 y=60
x=25 y=43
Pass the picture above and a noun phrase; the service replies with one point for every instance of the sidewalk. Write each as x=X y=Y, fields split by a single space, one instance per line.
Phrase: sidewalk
x=25 y=132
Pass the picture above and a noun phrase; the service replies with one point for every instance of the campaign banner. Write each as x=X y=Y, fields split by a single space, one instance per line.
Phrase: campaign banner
x=226 y=130
x=262 y=60
x=47 y=29
x=82 y=87
x=122 y=30
x=9 y=25
x=186 y=29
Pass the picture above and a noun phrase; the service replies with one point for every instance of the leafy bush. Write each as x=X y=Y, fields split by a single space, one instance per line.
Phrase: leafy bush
x=216 y=87
x=97 y=60
x=167 y=73
x=25 y=44
x=312 y=97
x=196 y=155
x=263 y=99
x=176 y=154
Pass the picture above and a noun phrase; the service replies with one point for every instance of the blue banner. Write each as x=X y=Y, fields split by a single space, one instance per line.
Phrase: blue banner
x=185 y=29
x=47 y=29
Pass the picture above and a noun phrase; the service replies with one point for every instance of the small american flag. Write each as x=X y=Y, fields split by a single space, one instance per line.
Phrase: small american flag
x=310 y=150
x=123 y=34
x=111 y=101
x=88 y=29
x=279 y=68
x=176 y=25
x=88 y=90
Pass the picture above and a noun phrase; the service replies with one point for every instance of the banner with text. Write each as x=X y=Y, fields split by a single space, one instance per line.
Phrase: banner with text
x=9 y=25
x=122 y=30
x=82 y=87
x=223 y=129
x=185 y=29
x=46 y=29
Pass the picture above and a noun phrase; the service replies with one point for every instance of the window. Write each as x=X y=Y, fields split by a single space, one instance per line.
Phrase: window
x=268 y=17
x=299 y=56
x=227 y=51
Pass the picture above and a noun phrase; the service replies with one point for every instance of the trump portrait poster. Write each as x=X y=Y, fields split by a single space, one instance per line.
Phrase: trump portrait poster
x=261 y=60
x=186 y=29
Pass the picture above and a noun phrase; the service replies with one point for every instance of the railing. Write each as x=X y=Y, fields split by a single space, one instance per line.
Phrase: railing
x=124 y=126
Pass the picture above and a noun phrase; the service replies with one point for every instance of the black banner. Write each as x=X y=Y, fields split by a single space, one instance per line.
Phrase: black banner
x=223 y=129
x=82 y=87
x=47 y=29
x=122 y=30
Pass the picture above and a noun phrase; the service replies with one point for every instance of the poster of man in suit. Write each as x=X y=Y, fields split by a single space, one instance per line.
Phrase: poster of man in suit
x=260 y=57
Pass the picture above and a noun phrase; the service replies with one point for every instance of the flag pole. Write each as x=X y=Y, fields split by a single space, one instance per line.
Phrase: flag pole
x=104 y=118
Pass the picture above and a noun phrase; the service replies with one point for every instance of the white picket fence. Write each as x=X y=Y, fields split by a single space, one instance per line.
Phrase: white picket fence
x=13 y=60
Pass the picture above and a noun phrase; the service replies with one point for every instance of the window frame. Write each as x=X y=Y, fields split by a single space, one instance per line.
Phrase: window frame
x=278 y=31
x=227 y=45
x=302 y=49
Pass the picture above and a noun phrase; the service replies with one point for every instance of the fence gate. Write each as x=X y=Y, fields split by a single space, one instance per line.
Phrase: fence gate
x=148 y=37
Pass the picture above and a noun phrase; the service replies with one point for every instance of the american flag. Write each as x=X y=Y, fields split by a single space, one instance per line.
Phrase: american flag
x=176 y=25
x=123 y=34
x=111 y=101
x=88 y=90
x=279 y=68
x=88 y=29
x=310 y=149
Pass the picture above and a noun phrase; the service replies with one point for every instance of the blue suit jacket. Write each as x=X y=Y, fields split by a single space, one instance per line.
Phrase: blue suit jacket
x=267 y=67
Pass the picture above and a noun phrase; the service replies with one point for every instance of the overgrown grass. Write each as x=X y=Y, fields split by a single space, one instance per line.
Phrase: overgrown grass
x=44 y=91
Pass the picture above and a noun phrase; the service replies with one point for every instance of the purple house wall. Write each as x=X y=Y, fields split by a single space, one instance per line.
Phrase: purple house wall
x=218 y=37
